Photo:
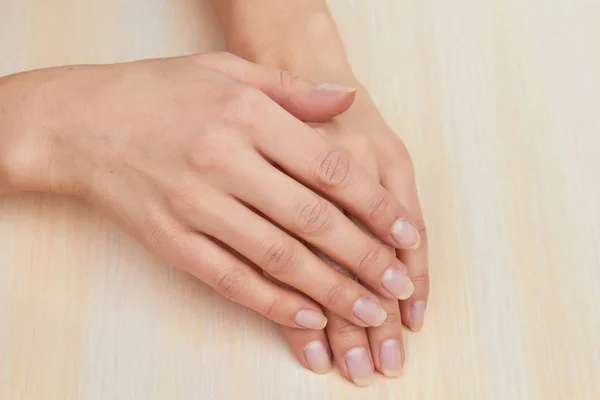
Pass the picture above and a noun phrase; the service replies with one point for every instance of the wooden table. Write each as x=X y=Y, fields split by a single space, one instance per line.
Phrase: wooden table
x=499 y=102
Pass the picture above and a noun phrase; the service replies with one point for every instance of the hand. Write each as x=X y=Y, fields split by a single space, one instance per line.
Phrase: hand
x=182 y=151
x=358 y=351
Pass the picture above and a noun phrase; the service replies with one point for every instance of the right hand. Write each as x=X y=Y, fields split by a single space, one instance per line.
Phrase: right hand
x=187 y=154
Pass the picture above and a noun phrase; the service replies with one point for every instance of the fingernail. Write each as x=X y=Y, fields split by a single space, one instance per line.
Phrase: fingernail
x=359 y=366
x=405 y=234
x=334 y=87
x=369 y=312
x=317 y=357
x=311 y=319
x=391 y=358
x=417 y=313
x=397 y=283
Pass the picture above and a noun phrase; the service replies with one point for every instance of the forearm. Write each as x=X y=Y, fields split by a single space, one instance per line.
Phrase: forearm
x=296 y=35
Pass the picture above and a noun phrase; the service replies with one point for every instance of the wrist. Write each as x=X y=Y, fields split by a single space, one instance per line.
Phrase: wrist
x=311 y=46
x=25 y=135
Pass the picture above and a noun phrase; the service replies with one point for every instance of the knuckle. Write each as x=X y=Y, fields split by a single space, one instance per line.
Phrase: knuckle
x=271 y=311
x=393 y=316
x=231 y=284
x=334 y=295
x=212 y=153
x=393 y=148
x=370 y=259
x=313 y=218
x=421 y=228
x=286 y=79
x=421 y=280
x=279 y=258
x=241 y=104
x=160 y=235
x=378 y=207
x=347 y=330
x=333 y=168
x=182 y=200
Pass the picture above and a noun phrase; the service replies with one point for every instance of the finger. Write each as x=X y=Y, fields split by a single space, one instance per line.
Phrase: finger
x=386 y=341
x=312 y=160
x=312 y=218
x=310 y=348
x=402 y=184
x=349 y=343
x=351 y=352
x=303 y=99
x=206 y=260
x=280 y=255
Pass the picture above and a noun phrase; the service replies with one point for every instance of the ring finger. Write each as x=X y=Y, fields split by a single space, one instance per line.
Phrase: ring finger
x=281 y=256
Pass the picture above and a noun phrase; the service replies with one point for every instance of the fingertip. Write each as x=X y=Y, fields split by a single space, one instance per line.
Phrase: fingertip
x=311 y=319
x=416 y=315
x=317 y=357
x=406 y=235
x=391 y=358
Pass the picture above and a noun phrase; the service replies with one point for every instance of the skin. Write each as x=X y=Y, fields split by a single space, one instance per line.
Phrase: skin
x=312 y=48
x=203 y=159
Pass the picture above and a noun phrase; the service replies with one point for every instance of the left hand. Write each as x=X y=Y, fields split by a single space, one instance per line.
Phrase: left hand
x=357 y=351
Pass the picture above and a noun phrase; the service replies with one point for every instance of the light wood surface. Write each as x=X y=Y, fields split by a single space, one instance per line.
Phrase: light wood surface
x=499 y=102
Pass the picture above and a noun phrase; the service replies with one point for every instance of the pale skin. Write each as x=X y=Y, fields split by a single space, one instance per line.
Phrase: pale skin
x=205 y=160
x=312 y=48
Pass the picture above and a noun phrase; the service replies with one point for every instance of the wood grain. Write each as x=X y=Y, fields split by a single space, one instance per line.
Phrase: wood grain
x=498 y=101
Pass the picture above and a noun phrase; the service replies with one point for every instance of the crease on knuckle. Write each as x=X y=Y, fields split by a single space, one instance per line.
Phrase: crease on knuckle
x=160 y=235
x=278 y=259
x=231 y=284
x=313 y=218
x=334 y=295
x=378 y=207
x=333 y=168
x=347 y=329
x=421 y=280
x=286 y=79
x=370 y=259
x=271 y=311
x=393 y=316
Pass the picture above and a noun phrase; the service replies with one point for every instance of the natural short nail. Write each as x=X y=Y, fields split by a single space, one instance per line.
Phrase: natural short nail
x=369 y=312
x=311 y=319
x=405 y=234
x=359 y=366
x=391 y=358
x=417 y=314
x=397 y=283
x=334 y=87
x=317 y=357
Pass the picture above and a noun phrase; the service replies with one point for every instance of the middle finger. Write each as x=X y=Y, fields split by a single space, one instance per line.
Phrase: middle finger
x=312 y=218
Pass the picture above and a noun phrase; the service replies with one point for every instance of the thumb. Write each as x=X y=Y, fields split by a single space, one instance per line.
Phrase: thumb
x=306 y=101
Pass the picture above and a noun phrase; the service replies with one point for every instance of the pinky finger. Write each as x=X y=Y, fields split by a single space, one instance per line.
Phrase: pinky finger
x=240 y=283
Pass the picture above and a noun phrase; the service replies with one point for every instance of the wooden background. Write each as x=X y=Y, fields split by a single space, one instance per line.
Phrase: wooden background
x=499 y=102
